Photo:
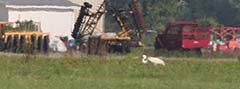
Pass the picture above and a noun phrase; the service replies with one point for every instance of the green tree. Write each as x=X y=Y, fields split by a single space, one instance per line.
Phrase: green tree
x=224 y=11
x=208 y=22
x=157 y=13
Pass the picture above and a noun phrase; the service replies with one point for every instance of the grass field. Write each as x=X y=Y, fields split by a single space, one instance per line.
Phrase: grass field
x=117 y=72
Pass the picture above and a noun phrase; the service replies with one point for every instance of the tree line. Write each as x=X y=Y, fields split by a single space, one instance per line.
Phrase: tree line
x=157 y=13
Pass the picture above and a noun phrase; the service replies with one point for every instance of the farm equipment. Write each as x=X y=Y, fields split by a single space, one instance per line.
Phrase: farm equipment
x=132 y=26
x=121 y=41
x=188 y=35
x=225 y=39
x=183 y=35
x=84 y=27
x=19 y=37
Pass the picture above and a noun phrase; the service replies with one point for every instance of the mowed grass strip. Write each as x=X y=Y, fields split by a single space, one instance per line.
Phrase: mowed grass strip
x=117 y=72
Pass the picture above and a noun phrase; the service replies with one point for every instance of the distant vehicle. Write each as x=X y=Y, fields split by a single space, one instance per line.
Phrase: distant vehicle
x=183 y=35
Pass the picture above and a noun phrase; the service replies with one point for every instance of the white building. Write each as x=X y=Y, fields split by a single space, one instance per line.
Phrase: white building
x=57 y=17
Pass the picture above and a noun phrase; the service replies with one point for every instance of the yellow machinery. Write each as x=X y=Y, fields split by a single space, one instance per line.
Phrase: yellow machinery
x=132 y=26
x=23 y=36
x=129 y=36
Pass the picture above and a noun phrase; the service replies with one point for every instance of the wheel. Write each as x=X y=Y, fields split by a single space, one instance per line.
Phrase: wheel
x=157 y=46
x=39 y=43
x=45 y=44
x=22 y=45
x=9 y=43
x=126 y=49
x=198 y=51
x=15 y=44
x=2 y=45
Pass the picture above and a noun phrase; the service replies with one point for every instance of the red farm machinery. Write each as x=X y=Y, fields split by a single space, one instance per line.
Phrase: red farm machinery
x=188 y=35
x=183 y=35
x=225 y=39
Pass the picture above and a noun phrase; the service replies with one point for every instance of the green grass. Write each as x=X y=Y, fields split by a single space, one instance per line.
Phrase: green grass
x=117 y=72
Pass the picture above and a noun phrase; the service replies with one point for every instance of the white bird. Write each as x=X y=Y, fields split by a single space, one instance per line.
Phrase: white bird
x=153 y=60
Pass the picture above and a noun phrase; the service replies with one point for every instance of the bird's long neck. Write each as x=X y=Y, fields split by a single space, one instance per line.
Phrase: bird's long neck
x=144 y=60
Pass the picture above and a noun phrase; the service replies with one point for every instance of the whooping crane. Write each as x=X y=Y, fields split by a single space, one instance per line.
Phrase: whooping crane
x=153 y=60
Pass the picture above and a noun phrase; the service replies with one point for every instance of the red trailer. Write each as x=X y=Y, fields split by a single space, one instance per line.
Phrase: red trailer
x=183 y=35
